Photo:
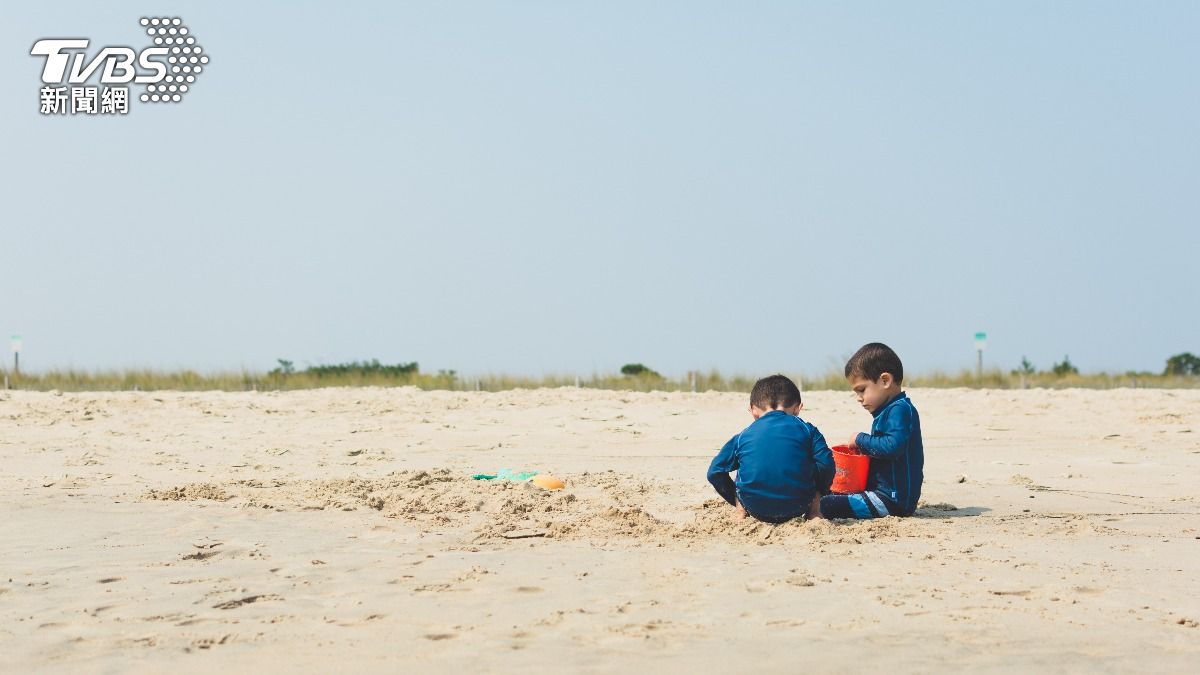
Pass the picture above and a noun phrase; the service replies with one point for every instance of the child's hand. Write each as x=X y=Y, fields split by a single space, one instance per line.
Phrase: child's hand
x=853 y=441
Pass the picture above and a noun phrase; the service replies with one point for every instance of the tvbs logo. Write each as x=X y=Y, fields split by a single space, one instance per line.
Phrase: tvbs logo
x=118 y=63
x=167 y=69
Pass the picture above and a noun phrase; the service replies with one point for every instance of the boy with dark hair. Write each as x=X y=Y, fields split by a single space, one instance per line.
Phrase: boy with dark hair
x=783 y=463
x=894 y=444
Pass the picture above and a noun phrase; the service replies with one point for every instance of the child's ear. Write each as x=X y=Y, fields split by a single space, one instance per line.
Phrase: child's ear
x=885 y=380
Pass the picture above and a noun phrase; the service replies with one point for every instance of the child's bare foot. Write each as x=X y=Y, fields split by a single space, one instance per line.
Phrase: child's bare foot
x=814 y=509
x=739 y=513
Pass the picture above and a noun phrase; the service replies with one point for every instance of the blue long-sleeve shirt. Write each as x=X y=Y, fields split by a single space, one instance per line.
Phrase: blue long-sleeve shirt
x=781 y=461
x=897 y=453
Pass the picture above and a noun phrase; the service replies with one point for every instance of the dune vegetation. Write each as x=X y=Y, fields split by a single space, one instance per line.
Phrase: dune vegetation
x=633 y=377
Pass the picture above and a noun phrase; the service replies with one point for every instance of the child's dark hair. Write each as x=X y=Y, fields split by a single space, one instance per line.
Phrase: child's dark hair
x=873 y=360
x=774 y=392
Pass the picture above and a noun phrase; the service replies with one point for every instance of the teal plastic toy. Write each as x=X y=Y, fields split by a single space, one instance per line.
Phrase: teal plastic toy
x=506 y=474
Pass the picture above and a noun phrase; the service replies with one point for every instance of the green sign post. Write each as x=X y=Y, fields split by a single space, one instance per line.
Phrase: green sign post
x=980 y=345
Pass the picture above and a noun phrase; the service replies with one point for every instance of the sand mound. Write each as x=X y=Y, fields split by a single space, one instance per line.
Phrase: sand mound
x=596 y=506
x=189 y=493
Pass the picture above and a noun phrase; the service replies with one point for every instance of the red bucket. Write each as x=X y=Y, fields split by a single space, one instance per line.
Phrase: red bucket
x=850 y=470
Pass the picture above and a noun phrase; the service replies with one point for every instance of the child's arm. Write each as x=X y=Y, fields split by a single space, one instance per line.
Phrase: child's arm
x=822 y=463
x=718 y=471
x=891 y=438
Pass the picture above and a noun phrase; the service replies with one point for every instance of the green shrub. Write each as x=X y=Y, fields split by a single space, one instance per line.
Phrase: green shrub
x=1064 y=368
x=1186 y=363
x=372 y=367
x=638 y=370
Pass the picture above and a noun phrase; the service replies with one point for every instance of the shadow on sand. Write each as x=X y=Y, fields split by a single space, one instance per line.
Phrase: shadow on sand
x=949 y=511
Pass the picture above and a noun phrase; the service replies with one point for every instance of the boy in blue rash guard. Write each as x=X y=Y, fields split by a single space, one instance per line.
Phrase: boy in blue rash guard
x=894 y=444
x=783 y=464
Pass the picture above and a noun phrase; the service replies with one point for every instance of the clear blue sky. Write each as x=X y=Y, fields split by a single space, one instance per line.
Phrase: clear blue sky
x=537 y=187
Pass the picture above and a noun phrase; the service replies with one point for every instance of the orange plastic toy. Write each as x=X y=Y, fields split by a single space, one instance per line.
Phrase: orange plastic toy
x=547 y=481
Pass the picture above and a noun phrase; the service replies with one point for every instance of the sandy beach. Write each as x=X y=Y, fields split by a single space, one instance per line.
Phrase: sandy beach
x=340 y=530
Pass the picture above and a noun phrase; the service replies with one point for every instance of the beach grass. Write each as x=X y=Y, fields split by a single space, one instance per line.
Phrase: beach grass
x=712 y=380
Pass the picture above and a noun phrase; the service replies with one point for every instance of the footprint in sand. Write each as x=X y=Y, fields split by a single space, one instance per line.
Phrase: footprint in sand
x=148 y=641
x=233 y=604
x=365 y=620
x=786 y=623
x=209 y=643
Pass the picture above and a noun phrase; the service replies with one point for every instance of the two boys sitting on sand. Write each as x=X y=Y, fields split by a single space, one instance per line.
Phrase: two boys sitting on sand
x=785 y=468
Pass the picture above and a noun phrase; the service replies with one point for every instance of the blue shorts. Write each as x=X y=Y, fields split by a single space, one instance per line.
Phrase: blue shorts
x=862 y=505
x=774 y=518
